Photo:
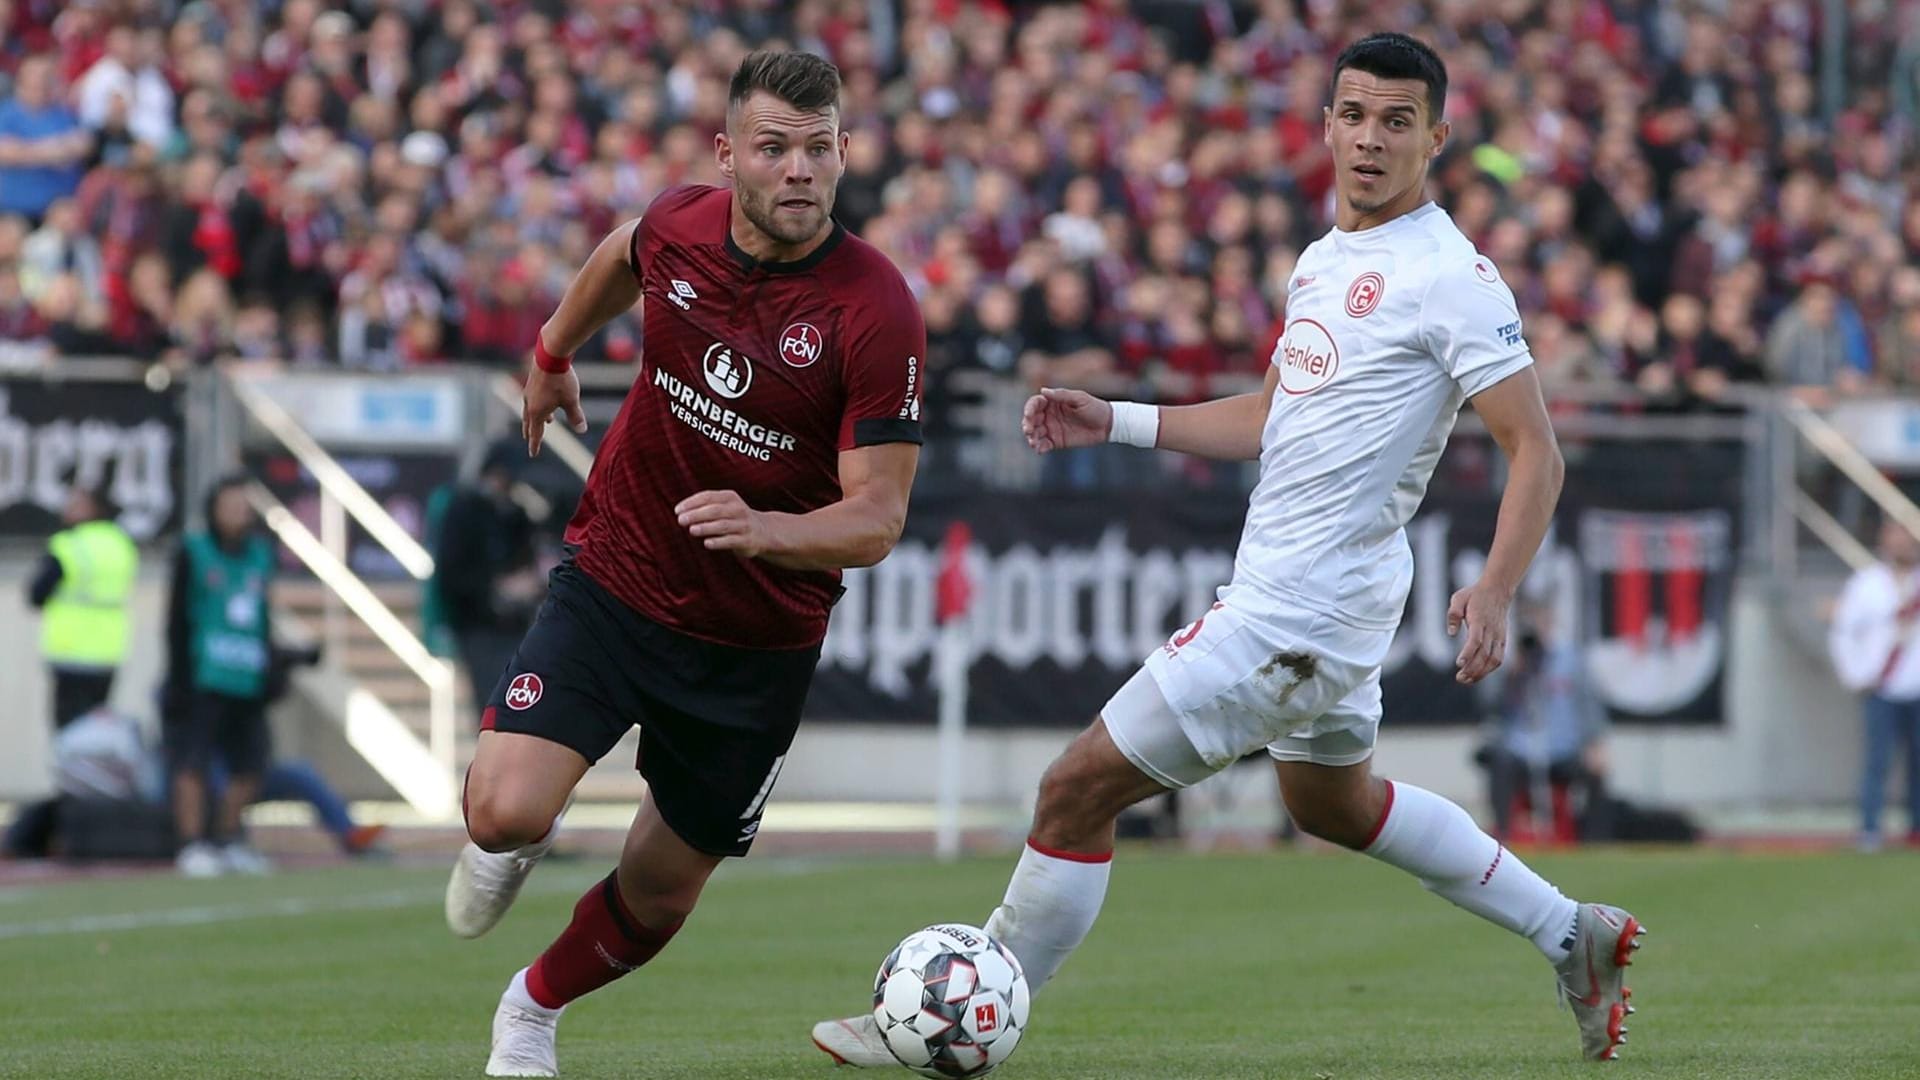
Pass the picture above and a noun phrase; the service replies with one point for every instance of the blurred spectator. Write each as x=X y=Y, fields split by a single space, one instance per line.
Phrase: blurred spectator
x=219 y=649
x=1871 y=642
x=1807 y=346
x=61 y=248
x=1545 y=768
x=299 y=781
x=82 y=588
x=42 y=145
x=484 y=571
x=125 y=92
x=403 y=189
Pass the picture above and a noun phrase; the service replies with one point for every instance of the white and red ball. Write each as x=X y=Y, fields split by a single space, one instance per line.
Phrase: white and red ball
x=951 y=1002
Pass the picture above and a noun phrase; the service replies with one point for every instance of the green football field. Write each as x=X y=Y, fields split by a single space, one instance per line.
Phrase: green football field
x=1298 y=965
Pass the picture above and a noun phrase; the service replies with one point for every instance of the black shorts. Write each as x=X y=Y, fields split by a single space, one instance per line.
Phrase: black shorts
x=715 y=720
x=233 y=727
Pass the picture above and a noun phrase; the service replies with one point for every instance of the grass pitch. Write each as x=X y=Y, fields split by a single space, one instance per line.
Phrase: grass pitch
x=1309 y=966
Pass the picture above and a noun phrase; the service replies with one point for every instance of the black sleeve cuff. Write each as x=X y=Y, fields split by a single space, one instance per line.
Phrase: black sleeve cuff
x=886 y=430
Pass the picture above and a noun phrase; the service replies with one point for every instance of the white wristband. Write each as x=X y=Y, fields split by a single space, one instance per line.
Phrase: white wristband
x=1135 y=424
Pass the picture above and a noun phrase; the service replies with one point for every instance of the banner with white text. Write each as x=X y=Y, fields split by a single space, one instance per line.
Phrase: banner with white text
x=1071 y=591
x=119 y=434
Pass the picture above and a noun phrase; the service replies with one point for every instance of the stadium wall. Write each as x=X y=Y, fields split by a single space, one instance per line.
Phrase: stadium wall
x=1792 y=738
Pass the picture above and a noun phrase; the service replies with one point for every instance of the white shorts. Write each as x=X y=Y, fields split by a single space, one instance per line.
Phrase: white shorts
x=1304 y=685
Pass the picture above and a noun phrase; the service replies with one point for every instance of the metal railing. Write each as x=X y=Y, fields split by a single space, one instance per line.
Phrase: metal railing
x=424 y=776
x=404 y=762
x=340 y=494
x=1799 y=508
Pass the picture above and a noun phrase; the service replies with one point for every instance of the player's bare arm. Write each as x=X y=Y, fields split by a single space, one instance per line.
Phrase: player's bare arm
x=858 y=530
x=1516 y=416
x=604 y=289
x=1225 y=429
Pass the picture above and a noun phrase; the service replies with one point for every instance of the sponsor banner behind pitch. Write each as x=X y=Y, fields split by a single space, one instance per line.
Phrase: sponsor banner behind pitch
x=1072 y=591
x=119 y=433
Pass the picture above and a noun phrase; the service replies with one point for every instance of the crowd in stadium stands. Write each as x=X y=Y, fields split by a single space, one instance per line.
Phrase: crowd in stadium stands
x=1110 y=194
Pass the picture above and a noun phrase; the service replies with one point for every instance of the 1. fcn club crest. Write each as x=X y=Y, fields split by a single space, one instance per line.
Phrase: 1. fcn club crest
x=1657 y=594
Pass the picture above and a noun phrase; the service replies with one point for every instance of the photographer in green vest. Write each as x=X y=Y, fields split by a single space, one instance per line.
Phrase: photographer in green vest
x=82 y=587
x=219 y=656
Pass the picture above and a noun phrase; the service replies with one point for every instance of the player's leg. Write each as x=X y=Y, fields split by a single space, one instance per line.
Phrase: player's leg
x=1134 y=751
x=1432 y=838
x=1330 y=790
x=516 y=786
x=516 y=790
x=618 y=925
x=1060 y=882
x=559 y=706
x=708 y=784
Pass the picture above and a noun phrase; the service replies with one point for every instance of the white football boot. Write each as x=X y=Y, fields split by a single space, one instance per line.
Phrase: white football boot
x=200 y=860
x=523 y=1038
x=854 y=1041
x=243 y=858
x=485 y=883
x=1593 y=977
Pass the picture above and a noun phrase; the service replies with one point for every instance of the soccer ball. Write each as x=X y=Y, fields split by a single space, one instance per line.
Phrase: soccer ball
x=951 y=1001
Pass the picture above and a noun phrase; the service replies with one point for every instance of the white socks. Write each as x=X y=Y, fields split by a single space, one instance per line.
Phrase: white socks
x=518 y=995
x=1054 y=896
x=1049 y=907
x=1437 y=842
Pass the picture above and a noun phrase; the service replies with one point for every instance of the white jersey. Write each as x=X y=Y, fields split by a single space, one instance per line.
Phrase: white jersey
x=1388 y=331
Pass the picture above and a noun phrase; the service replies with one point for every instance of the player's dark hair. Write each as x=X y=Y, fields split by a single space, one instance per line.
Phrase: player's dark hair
x=1397 y=56
x=802 y=80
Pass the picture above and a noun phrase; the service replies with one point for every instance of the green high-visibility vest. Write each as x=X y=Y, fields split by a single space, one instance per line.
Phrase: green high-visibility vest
x=84 y=623
x=227 y=609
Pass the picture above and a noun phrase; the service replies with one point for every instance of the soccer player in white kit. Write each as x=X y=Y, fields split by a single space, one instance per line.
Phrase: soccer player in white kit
x=1393 y=320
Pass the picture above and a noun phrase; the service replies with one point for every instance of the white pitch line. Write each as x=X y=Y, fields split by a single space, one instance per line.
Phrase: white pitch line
x=297 y=906
x=215 y=913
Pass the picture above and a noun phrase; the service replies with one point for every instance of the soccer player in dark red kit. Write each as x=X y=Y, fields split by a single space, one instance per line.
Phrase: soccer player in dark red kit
x=769 y=441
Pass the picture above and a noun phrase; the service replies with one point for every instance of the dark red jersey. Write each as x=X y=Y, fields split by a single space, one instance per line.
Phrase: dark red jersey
x=755 y=376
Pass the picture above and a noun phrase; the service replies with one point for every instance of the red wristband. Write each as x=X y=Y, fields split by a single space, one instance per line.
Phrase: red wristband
x=546 y=361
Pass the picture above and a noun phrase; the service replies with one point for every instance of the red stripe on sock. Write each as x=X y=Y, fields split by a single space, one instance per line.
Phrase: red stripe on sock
x=603 y=942
x=1070 y=856
x=1385 y=811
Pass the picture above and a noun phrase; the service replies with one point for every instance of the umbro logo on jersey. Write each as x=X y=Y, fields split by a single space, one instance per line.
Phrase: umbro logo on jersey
x=1364 y=294
x=1303 y=281
x=682 y=292
x=1484 y=270
x=728 y=374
